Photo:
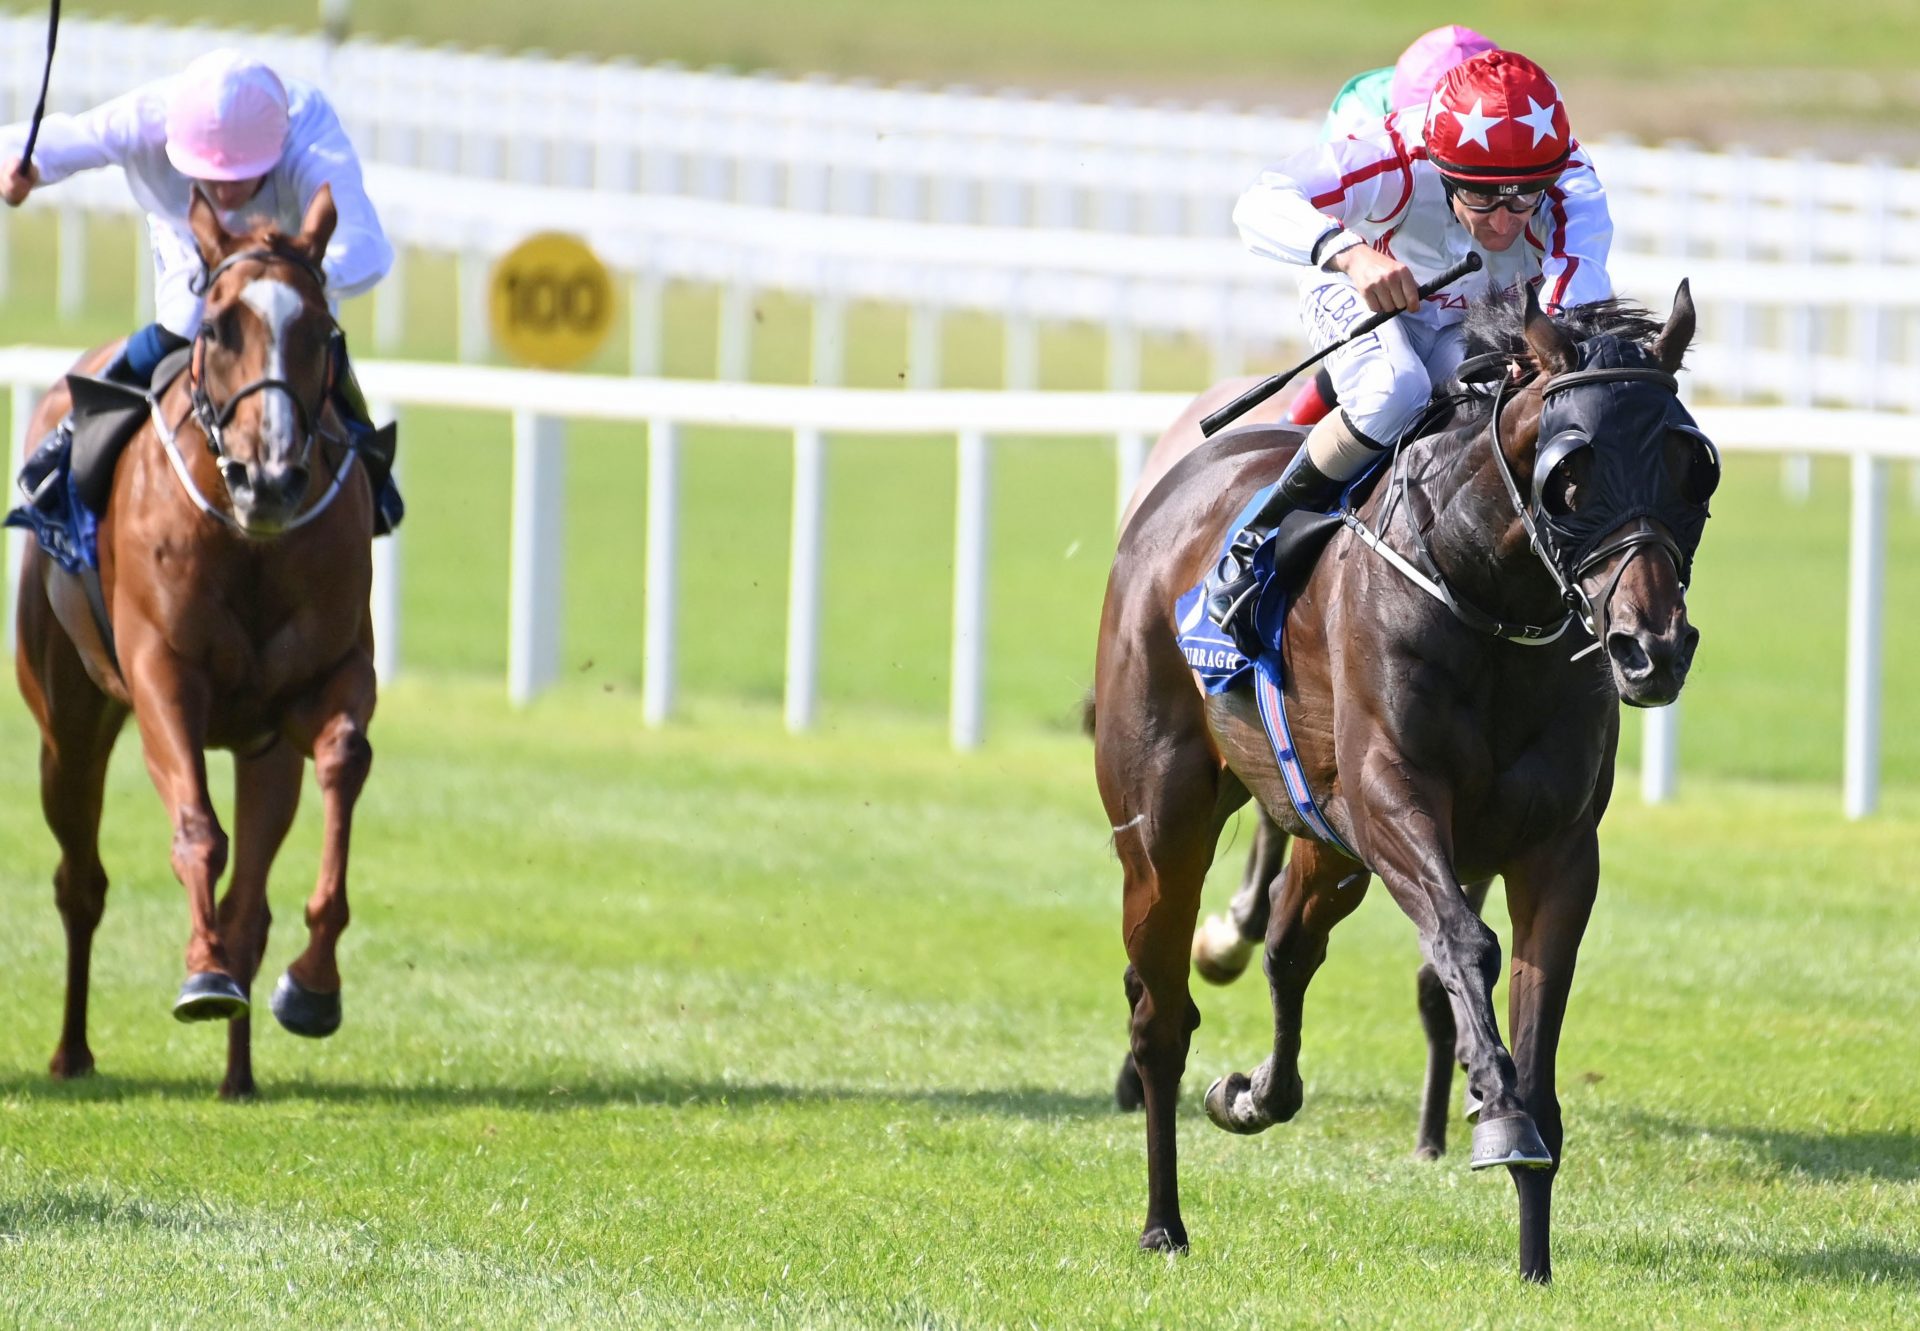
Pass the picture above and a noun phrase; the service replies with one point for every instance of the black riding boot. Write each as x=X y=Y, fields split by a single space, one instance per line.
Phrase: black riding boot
x=375 y=444
x=1232 y=584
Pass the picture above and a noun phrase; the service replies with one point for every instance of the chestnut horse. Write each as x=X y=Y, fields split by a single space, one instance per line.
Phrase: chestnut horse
x=235 y=564
x=1448 y=740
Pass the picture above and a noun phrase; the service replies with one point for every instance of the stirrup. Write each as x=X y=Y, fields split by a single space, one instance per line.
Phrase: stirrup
x=1229 y=603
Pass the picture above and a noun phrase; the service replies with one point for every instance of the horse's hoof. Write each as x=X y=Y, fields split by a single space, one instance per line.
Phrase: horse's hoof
x=303 y=1011
x=1470 y=1104
x=1223 y=1095
x=210 y=996
x=1129 y=1092
x=1164 y=1238
x=1220 y=954
x=1428 y=1151
x=65 y=1066
x=237 y=1089
x=1512 y=1140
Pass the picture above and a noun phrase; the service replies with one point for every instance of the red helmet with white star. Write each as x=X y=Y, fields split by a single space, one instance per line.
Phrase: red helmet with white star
x=1496 y=123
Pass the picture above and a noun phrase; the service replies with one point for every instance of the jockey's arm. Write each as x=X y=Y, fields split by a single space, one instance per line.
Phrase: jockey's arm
x=1577 y=235
x=107 y=135
x=319 y=153
x=1302 y=212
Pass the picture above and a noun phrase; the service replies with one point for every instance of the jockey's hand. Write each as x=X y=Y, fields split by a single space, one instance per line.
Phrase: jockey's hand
x=1383 y=282
x=17 y=184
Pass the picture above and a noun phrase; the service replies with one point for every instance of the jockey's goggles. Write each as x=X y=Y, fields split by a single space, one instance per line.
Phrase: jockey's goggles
x=1521 y=201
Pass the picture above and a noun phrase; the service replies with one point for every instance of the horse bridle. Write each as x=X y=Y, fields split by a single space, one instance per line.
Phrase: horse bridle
x=213 y=419
x=1589 y=612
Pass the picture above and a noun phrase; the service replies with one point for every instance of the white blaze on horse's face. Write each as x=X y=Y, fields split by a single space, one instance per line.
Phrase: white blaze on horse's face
x=278 y=305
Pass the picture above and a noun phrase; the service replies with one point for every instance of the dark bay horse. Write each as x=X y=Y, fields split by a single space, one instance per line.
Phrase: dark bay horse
x=235 y=564
x=1447 y=741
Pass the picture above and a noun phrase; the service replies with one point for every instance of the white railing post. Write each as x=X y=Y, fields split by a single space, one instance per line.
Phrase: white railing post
x=1022 y=353
x=662 y=572
x=803 y=579
x=390 y=305
x=646 y=295
x=733 y=357
x=26 y=400
x=970 y=592
x=70 y=277
x=472 y=273
x=538 y=580
x=1660 y=753
x=385 y=606
x=923 y=347
x=828 y=359
x=143 y=309
x=1866 y=587
x=1123 y=376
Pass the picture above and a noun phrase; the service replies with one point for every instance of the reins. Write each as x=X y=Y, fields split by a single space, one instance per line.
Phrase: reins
x=1589 y=612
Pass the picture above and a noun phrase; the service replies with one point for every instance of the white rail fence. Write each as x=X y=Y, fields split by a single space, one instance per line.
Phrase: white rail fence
x=715 y=177
x=1799 y=332
x=542 y=403
x=950 y=155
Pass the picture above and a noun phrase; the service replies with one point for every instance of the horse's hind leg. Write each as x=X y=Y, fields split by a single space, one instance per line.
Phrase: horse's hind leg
x=1163 y=799
x=1223 y=945
x=1320 y=888
x=78 y=725
x=1436 y=1015
x=266 y=796
x=334 y=729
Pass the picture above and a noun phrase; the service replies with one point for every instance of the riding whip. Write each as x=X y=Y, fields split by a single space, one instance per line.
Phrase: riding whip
x=1266 y=388
x=40 y=107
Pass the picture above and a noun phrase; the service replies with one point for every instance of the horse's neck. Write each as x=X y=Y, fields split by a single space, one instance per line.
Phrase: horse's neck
x=1472 y=531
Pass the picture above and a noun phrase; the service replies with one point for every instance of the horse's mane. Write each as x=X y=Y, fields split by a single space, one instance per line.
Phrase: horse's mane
x=1497 y=326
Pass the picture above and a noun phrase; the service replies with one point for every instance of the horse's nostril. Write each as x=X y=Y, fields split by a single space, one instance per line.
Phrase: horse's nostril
x=234 y=474
x=1629 y=656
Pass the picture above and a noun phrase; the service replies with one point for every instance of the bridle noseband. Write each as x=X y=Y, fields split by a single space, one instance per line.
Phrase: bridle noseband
x=213 y=418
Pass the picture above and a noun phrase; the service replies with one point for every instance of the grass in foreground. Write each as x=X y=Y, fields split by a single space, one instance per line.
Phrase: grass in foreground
x=710 y=1025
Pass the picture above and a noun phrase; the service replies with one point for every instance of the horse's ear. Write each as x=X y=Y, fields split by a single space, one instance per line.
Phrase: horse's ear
x=316 y=228
x=1553 y=351
x=208 y=234
x=1669 y=347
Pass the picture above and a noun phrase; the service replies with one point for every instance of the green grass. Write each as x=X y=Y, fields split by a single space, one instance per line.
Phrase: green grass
x=709 y=1025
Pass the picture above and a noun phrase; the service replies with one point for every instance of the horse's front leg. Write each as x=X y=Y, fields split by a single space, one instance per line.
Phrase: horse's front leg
x=1403 y=834
x=1550 y=896
x=332 y=727
x=266 y=796
x=1443 y=1050
x=171 y=702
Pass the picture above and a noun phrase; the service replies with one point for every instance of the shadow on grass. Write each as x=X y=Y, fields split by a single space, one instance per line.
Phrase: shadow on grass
x=1891 y=1154
x=1031 y=1102
x=1857 y=1261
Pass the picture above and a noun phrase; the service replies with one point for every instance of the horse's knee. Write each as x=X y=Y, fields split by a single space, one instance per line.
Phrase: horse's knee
x=199 y=848
x=1470 y=951
x=343 y=758
x=80 y=892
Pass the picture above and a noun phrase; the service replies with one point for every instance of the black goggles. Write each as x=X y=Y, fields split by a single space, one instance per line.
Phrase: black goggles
x=1515 y=199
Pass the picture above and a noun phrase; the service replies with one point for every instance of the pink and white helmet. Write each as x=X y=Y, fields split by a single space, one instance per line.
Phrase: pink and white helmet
x=227 y=119
x=1423 y=64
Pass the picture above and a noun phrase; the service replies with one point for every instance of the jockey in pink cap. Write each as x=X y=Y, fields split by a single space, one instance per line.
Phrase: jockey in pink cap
x=1487 y=165
x=258 y=147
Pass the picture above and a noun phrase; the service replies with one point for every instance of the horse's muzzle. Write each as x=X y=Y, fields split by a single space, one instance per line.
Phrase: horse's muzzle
x=1650 y=668
x=265 y=496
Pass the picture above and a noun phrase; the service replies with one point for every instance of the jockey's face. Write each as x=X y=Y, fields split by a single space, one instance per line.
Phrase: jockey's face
x=227 y=195
x=1494 y=231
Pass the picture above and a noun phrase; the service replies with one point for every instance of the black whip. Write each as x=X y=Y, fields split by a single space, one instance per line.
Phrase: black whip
x=40 y=107
x=1266 y=388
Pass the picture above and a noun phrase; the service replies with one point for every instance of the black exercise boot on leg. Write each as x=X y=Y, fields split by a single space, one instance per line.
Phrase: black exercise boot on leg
x=1231 y=585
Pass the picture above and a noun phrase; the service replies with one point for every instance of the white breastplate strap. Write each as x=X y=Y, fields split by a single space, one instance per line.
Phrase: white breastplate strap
x=207 y=506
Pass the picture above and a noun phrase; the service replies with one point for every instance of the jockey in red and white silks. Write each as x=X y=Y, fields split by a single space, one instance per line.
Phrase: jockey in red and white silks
x=1488 y=164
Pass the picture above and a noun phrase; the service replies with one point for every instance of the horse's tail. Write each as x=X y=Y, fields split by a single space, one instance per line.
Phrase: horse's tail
x=1086 y=715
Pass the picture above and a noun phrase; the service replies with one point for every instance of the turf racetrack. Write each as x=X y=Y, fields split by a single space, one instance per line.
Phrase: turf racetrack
x=713 y=1025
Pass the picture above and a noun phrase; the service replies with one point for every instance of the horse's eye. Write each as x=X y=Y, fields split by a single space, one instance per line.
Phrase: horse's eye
x=1569 y=463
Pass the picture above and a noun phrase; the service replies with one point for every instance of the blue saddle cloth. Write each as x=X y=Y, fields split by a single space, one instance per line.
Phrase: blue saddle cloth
x=67 y=529
x=1280 y=564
